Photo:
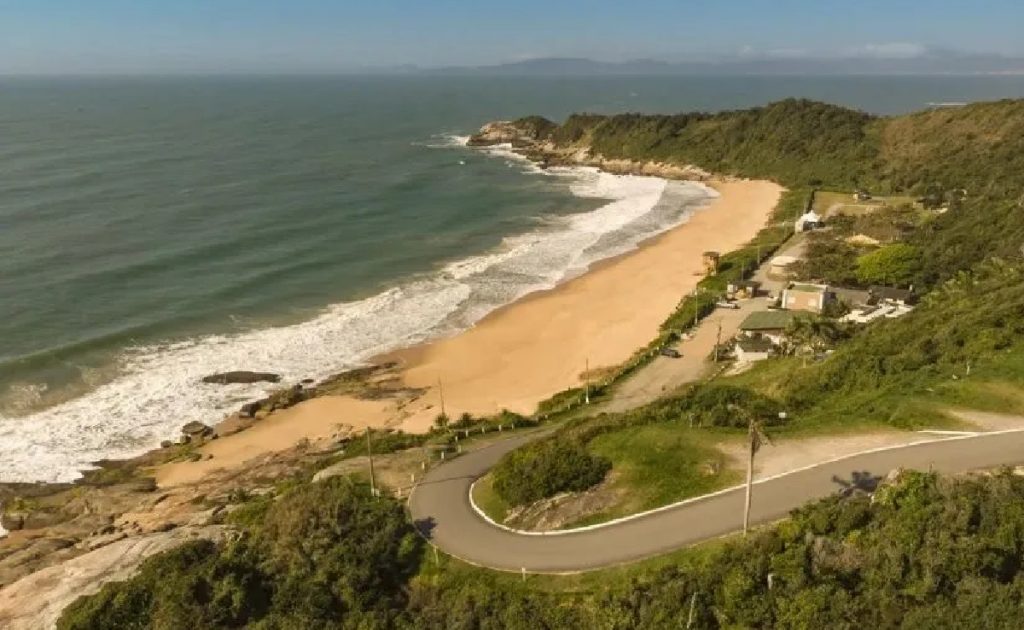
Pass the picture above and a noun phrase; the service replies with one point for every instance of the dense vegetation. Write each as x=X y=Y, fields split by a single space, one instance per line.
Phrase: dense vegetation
x=975 y=319
x=922 y=553
x=323 y=555
x=545 y=468
x=969 y=159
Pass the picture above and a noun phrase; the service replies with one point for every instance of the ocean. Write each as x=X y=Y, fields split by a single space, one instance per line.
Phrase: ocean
x=157 y=230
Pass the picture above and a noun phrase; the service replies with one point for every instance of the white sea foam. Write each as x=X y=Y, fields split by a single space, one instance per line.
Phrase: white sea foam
x=159 y=387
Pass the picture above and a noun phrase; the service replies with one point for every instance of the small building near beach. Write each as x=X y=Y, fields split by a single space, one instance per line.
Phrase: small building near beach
x=770 y=325
x=710 y=260
x=803 y=296
x=750 y=349
x=810 y=220
x=744 y=288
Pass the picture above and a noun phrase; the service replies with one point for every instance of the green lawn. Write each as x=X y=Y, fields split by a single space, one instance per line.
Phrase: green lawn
x=660 y=464
x=488 y=500
x=826 y=199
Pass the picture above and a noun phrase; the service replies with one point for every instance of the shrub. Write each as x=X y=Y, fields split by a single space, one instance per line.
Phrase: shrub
x=324 y=554
x=545 y=468
x=894 y=265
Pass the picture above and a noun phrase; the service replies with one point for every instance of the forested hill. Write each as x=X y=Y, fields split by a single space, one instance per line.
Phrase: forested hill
x=969 y=158
x=797 y=142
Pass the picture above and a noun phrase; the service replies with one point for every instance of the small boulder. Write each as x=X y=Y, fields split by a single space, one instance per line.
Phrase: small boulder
x=194 y=432
x=241 y=376
x=249 y=409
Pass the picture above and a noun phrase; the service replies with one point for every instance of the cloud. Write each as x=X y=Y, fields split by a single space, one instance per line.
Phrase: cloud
x=891 y=50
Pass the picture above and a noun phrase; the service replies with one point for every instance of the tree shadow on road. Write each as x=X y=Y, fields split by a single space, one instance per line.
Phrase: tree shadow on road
x=425 y=526
x=860 y=482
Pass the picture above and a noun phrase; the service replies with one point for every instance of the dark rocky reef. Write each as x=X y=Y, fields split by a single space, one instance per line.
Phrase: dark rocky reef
x=241 y=376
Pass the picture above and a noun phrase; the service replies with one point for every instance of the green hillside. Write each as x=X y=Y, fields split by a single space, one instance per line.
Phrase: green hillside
x=979 y=147
x=921 y=552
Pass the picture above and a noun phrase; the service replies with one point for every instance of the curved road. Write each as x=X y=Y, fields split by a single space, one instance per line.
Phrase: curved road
x=441 y=509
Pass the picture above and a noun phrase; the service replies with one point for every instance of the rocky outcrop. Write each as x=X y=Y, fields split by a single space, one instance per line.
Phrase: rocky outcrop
x=23 y=606
x=195 y=432
x=242 y=376
x=525 y=132
x=534 y=140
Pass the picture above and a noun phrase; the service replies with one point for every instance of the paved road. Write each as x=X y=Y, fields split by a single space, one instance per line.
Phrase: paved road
x=440 y=506
x=664 y=375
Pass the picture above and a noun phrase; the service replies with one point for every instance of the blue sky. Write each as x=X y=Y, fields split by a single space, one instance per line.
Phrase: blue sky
x=116 y=36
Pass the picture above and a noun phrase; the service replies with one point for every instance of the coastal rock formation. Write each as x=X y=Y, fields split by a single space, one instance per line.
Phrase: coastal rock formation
x=195 y=432
x=519 y=133
x=22 y=608
x=241 y=376
x=534 y=139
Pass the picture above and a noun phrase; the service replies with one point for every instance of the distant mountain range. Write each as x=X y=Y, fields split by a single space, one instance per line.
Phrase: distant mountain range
x=932 y=62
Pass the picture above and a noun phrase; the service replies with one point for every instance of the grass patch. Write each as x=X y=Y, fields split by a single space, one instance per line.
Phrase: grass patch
x=488 y=499
x=661 y=464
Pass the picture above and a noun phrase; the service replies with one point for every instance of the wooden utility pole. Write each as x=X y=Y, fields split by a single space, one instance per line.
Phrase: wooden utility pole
x=696 y=308
x=750 y=480
x=369 y=453
x=440 y=391
x=718 y=340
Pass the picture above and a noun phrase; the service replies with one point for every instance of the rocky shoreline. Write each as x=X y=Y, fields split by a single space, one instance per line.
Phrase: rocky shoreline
x=60 y=528
x=119 y=500
x=531 y=138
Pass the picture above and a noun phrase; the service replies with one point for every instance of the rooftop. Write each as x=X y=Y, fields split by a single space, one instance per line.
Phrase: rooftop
x=767 y=320
x=807 y=288
x=755 y=344
x=892 y=293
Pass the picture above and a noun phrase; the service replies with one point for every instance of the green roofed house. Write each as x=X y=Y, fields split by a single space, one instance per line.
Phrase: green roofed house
x=770 y=325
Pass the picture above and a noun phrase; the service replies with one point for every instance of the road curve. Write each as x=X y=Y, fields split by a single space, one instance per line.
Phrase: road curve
x=441 y=509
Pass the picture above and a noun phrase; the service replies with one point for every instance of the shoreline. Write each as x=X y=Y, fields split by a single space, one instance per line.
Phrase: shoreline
x=525 y=351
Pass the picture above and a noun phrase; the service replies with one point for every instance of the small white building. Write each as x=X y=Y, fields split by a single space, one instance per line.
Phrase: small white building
x=804 y=296
x=867 y=314
x=750 y=349
x=810 y=220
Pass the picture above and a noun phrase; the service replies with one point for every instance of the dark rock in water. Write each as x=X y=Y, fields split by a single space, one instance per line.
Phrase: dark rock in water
x=306 y=381
x=195 y=432
x=242 y=376
x=249 y=409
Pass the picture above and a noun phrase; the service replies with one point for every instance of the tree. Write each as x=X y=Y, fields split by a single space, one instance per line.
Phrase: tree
x=756 y=437
x=893 y=265
x=808 y=336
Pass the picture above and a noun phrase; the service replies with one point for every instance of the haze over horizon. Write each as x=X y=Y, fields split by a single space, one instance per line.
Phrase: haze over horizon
x=317 y=36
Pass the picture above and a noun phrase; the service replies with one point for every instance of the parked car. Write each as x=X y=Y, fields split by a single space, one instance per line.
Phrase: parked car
x=724 y=304
x=671 y=353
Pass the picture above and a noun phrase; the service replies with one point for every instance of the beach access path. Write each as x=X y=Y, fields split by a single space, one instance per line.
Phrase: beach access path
x=441 y=507
x=664 y=375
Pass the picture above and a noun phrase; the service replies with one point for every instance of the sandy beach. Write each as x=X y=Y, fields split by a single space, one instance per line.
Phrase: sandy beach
x=531 y=349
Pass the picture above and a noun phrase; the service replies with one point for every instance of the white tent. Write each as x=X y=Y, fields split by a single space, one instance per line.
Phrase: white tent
x=808 y=221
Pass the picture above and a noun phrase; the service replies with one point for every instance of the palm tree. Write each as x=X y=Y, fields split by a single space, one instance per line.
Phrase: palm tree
x=757 y=437
x=811 y=335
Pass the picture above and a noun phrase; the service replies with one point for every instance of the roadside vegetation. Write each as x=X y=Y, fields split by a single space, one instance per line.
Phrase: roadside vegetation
x=922 y=551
